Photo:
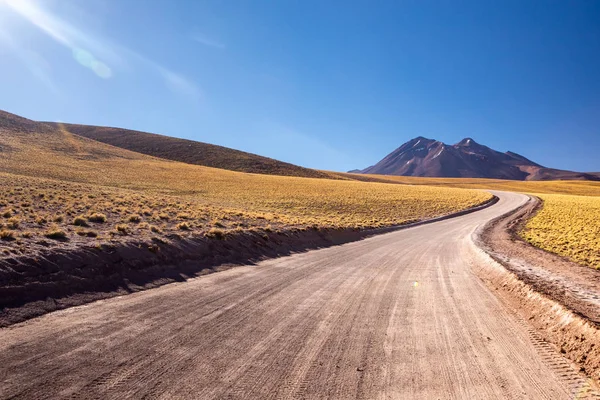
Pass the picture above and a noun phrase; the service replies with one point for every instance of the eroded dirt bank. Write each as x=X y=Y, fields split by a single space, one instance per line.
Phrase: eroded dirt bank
x=32 y=286
x=558 y=298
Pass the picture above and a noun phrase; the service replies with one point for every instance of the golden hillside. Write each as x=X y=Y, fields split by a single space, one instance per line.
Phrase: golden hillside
x=58 y=181
x=188 y=151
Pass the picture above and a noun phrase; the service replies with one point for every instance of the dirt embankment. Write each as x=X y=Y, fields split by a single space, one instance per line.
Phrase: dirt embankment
x=558 y=297
x=35 y=285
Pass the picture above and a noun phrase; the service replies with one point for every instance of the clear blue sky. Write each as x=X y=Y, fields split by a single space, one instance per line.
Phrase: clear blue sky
x=324 y=84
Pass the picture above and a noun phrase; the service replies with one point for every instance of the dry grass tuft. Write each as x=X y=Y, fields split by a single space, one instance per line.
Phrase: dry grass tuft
x=184 y=226
x=216 y=233
x=122 y=229
x=7 y=235
x=56 y=233
x=134 y=218
x=80 y=221
x=97 y=217
x=13 y=223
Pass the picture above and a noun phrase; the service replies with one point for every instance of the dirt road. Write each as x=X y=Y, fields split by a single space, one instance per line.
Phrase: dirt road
x=397 y=316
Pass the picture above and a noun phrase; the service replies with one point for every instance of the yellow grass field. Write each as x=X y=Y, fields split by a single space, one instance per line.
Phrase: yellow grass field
x=57 y=182
x=568 y=225
x=582 y=188
x=32 y=208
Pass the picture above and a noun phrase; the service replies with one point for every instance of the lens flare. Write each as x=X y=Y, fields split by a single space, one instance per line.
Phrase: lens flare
x=88 y=60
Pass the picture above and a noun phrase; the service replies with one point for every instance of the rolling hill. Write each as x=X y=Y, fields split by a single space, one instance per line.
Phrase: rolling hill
x=466 y=159
x=188 y=151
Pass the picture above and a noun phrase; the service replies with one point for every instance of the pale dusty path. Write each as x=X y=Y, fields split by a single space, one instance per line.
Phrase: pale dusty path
x=344 y=322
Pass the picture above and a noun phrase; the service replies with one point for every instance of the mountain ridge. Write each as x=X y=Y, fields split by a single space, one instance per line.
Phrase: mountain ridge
x=425 y=157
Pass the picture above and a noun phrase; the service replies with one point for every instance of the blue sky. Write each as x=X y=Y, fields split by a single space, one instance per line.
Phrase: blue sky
x=324 y=84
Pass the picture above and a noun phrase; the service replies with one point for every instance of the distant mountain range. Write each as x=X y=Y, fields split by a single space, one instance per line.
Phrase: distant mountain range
x=465 y=159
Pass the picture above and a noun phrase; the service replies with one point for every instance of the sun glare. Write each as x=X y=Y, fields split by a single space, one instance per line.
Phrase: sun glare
x=62 y=32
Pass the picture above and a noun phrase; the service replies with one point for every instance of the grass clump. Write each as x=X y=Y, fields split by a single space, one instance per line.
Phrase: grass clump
x=13 y=223
x=56 y=233
x=184 y=226
x=7 y=235
x=216 y=233
x=80 y=221
x=134 y=218
x=97 y=217
x=87 y=233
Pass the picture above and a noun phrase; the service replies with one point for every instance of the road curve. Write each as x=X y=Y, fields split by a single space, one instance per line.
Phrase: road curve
x=396 y=316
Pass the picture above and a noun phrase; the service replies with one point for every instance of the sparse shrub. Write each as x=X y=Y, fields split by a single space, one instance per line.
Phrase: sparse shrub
x=215 y=233
x=7 y=213
x=183 y=216
x=134 y=218
x=80 y=221
x=13 y=223
x=155 y=229
x=97 y=217
x=218 y=224
x=59 y=219
x=163 y=217
x=147 y=212
x=184 y=226
x=87 y=233
x=40 y=220
x=56 y=234
x=7 y=236
x=122 y=229
x=26 y=235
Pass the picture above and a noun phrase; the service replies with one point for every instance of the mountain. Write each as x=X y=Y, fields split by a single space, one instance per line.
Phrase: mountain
x=465 y=159
x=188 y=151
